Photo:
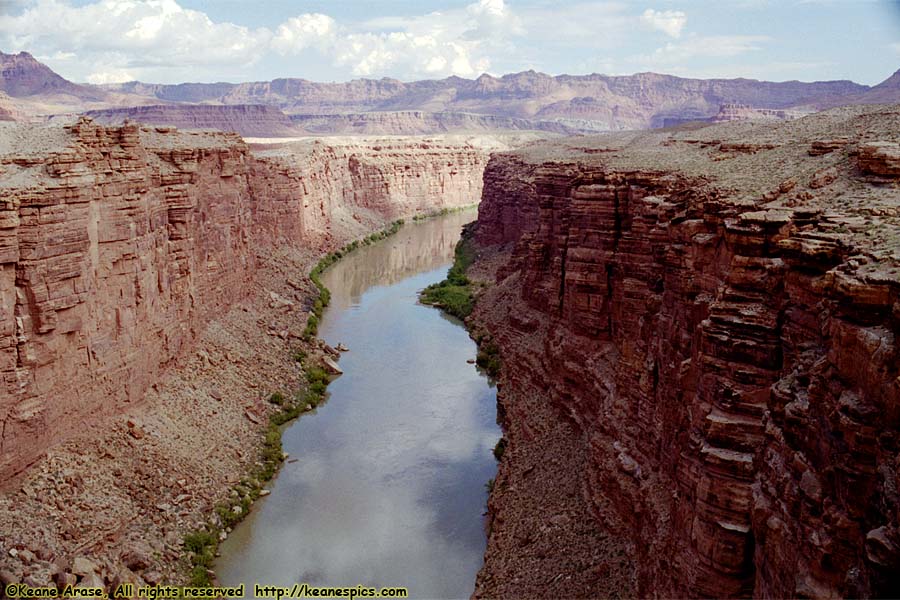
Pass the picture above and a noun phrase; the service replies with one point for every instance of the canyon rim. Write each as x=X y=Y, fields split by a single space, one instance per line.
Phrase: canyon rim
x=686 y=287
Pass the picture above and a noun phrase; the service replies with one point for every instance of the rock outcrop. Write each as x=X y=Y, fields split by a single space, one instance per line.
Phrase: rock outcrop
x=721 y=334
x=745 y=112
x=118 y=245
x=880 y=158
x=248 y=120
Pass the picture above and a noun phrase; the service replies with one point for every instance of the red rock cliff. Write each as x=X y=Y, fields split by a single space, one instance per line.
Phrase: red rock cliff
x=119 y=244
x=723 y=336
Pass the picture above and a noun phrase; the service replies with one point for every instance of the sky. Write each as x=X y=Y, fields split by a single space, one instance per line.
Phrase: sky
x=173 y=41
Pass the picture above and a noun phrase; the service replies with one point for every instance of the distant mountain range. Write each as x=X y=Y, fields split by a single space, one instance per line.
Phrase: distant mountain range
x=562 y=104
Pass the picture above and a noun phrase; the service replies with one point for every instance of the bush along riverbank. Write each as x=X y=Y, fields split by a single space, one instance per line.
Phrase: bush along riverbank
x=312 y=323
x=444 y=211
x=456 y=296
x=201 y=545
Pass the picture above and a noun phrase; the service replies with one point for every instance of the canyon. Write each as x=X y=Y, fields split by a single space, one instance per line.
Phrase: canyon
x=708 y=317
x=697 y=324
x=152 y=294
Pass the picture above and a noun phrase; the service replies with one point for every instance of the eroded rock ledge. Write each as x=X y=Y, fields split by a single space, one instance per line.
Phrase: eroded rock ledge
x=714 y=311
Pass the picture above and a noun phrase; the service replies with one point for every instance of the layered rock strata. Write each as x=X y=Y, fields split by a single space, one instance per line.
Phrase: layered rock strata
x=244 y=119
x=719 y=327
x=119 y=245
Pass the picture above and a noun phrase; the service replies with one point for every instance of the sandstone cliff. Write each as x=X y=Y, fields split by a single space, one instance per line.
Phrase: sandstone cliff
x=715 y=314
x=119 y=245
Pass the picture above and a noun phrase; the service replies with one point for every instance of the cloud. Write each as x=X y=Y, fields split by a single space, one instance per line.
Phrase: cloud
x=162 y=41
x=111 y=76
x=454 y=42
x=670 y=22
x=311 y=30
x=147 y=32
x=114 y=39
x=713 y=46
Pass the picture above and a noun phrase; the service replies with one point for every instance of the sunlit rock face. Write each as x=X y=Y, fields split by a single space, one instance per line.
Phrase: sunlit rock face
x=118 y=245
x=719 y=320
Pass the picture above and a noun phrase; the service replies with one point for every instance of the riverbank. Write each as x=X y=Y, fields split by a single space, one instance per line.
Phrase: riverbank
x=543 y=539
x=316 y=361
x=388 y=485
x=124 y=501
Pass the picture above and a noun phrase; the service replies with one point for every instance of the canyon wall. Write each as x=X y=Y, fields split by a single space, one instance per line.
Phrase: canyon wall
x=715 y=312
x=118 y=245
x=417 y=122
x=244 y=119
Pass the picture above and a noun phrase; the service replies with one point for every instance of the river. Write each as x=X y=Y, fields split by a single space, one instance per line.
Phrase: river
x=388 y=488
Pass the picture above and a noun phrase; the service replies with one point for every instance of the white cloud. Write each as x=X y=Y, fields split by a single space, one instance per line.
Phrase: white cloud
x=895 y=47
x=111 y=76
x=670 y=22
x=311 y=30
x=114 y=39
x=454 y=42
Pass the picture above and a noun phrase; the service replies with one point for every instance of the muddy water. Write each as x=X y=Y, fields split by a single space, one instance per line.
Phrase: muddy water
x=389 y=485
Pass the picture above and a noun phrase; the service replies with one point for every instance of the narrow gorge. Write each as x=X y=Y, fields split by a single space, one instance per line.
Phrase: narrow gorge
x=699 y=385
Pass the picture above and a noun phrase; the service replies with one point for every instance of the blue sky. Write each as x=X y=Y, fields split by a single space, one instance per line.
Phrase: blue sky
x=170 y=41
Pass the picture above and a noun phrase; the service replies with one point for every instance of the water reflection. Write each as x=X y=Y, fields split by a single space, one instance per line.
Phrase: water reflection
x=389 y=486
x=418 y=248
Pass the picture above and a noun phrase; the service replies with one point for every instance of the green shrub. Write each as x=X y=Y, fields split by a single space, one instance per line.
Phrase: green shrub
x=198 y=541
x=453 y=299
x=488 y=358
x=453 y=295
x=499 y=449
x=200 y=577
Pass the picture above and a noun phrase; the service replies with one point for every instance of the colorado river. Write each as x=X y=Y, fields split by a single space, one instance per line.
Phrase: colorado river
x=389 y=485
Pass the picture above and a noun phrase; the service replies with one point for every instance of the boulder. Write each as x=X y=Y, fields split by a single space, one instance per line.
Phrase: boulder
x=331 y=367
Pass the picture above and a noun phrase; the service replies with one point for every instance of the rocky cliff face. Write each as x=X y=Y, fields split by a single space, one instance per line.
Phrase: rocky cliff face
x=421 y=123
x=715 y=312
x=745 y=112
x=118 y=245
